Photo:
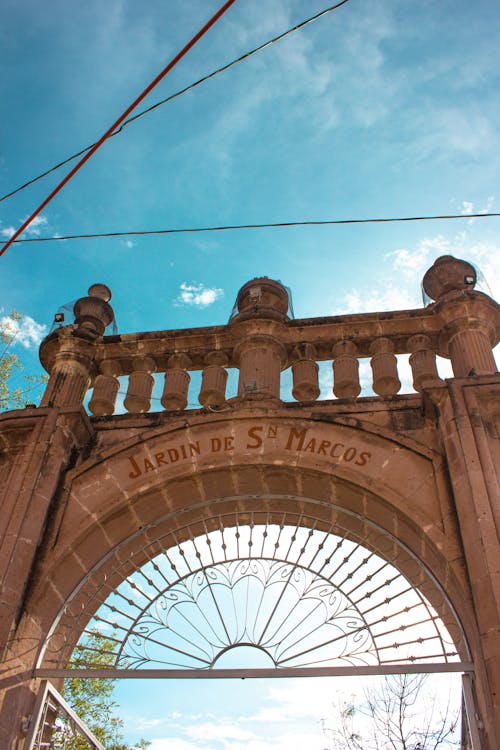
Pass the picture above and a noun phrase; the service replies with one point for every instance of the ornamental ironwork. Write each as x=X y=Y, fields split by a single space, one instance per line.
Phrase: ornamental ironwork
x=266 y=595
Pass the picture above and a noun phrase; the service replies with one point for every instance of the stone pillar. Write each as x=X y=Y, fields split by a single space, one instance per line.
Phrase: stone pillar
x=467 y=413
x=140 y=386
x=70 y=371
x=177 y=379
x=305 y=373
x=260 y=358
x=470 y=350
x=213 y=381
x=68 y=352
x=422 y=362
x=258 y=326
x=384 y=367
x=345 y=370
x=470 y=319
x=106 y=386
x=38 y=446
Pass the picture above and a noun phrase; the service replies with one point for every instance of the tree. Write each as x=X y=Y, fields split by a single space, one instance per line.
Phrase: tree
x=393 y=717
x=92 y=700
x=11 y=366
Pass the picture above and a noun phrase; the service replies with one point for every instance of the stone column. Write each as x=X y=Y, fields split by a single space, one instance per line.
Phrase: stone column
x=38 y=447
x=470 y=319
x=259 y=352
x=345 y=370
x=68 y=352
x=467 y=412
x=260 y=359
x=70 y=371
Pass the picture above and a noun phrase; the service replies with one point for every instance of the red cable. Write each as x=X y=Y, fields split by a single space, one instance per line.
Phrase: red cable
x=118 y=122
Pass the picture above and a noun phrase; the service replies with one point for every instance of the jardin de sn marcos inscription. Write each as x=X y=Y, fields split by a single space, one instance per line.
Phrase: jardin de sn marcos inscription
x=254 y=438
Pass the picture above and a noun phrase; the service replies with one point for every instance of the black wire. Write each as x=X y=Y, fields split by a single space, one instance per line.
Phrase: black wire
x=272 y=225
x=170 y=98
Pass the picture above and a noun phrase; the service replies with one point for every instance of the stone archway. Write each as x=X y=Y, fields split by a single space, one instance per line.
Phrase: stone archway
x=411 y=479
x=245 y=469
x=251 y=468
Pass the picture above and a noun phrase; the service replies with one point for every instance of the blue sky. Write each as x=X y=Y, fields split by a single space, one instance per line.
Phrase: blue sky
x=378 y=109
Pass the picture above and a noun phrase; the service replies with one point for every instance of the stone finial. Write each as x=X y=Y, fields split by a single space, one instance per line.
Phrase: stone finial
x=448 y=274
x=94 y=313
x=262 y=298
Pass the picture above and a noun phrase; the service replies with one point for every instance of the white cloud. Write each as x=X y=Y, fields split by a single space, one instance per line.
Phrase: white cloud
x=34 y=227
x=466 y=132
x=197 y=295
x=173 y=743
x=24 y=331
x=416 y=261
x=32 y=230
x=391 y=298
x=468 y=207
x=286 y=741
x=221 y=731
x=7 y=232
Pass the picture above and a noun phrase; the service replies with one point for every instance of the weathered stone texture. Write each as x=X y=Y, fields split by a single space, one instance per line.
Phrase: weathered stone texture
x=414 y=477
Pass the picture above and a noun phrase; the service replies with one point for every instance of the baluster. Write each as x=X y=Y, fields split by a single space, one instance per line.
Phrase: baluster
x=106 y=387
x=422 y=361
x=345 y=370
x=305 y=373
x=177 y=379
x=140 y=386
x=213 y=380
x=384 y=367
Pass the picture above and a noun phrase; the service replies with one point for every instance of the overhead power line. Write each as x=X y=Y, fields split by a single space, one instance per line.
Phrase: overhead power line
x=170 y=98
x=173 y=62
x=270 y=225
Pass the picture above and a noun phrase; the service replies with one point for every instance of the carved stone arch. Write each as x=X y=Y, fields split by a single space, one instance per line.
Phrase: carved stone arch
x=280 y=476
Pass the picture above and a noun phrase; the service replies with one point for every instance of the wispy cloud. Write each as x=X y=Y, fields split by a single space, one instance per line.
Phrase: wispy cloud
x=467 y=133
x=7 y=232
x=392 y=298
x=197 y=295
x=34 y=229
x=24 y=331
x=468 y=207
x=221 y=731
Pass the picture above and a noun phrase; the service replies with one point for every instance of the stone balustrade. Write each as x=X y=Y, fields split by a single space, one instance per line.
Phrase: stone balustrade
x=261 y=342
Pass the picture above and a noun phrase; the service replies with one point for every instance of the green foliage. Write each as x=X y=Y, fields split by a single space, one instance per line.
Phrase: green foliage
x=11 y=368
x=92 y=700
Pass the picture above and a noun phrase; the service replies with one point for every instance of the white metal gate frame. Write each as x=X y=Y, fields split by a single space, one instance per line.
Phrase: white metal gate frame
x=48 y=697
